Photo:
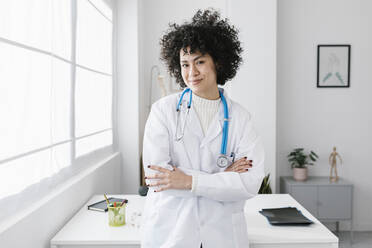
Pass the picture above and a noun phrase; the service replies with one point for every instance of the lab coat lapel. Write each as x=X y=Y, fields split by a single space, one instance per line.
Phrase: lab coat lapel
x=192 y=138
x=194 y=124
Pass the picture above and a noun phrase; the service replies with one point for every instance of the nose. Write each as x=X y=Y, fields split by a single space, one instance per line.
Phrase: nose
x=193 y=70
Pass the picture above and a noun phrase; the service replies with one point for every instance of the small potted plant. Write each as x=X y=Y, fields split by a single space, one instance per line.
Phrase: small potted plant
x=265 y=185
x=299 y=161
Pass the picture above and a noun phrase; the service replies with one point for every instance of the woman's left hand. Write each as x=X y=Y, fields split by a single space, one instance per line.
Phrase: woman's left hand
x=169 y=179
x=240 y=166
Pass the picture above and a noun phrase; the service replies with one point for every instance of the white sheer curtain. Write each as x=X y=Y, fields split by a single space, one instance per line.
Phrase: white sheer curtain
x=55 y=91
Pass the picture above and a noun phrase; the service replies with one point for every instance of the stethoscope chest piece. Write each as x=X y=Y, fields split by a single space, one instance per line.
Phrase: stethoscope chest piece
x=222 y=161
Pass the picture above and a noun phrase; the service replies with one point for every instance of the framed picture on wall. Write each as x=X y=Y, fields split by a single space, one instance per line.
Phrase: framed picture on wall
x=333 y=66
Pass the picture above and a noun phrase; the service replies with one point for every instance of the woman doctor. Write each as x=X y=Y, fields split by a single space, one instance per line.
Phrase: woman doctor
x=201 y=154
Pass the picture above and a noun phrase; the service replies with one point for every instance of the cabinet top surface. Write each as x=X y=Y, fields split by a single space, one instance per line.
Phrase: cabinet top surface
x=313 y=180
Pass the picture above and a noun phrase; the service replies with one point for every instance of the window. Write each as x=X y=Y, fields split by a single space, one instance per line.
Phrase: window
x=55 y=87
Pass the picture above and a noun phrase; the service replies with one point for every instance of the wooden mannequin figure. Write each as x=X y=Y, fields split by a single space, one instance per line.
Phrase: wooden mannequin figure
x=333 y=162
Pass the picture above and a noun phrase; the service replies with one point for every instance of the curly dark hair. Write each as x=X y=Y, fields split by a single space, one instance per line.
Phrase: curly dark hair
x=208 y=34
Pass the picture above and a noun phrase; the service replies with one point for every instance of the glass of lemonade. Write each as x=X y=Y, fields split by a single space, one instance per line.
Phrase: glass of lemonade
x=116 y=214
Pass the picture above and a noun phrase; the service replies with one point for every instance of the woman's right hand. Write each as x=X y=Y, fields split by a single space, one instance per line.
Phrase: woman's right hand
x=240 y=166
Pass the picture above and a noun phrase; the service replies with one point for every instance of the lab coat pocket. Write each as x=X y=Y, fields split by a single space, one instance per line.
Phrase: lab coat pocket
x=240 y=230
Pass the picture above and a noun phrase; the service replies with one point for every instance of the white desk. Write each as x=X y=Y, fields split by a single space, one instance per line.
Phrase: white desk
x=262 y=234
x=90 y=228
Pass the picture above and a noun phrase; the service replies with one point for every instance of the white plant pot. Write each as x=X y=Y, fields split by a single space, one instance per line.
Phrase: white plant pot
x=300 y=174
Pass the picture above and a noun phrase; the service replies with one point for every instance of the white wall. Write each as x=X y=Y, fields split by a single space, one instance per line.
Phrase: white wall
x=38 y=223
x=256 y=78
x=255 y=84
x=128 y=92
x=320 y=118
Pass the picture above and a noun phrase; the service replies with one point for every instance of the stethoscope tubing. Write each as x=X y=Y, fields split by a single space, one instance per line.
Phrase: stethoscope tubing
x=180 y=101
x=225 y=129
x=225 y=125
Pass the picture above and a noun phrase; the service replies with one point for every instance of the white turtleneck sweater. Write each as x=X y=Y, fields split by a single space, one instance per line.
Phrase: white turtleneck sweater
x=206 y=110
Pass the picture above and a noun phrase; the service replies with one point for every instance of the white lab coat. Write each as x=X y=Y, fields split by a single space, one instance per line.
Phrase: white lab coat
x=213 y=213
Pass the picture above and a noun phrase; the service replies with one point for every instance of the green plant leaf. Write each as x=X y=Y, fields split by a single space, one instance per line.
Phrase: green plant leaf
x=314 y=154
x=265 y=186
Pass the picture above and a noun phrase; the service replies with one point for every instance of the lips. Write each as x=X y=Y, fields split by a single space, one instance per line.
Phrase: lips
x=195 y=82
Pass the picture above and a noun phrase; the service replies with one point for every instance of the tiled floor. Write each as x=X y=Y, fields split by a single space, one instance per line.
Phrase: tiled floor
x=361 y=240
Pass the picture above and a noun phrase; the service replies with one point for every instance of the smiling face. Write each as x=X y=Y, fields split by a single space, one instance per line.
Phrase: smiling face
x=199 y=74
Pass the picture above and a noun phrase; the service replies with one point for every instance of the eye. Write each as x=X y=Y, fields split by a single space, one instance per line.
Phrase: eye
x=184 y=65
x=199 y=62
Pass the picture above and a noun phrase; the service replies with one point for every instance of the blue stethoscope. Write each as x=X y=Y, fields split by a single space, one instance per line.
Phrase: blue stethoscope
x=222 y=160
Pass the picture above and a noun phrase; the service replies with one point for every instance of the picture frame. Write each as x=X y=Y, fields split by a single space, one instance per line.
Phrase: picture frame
x=333 y=66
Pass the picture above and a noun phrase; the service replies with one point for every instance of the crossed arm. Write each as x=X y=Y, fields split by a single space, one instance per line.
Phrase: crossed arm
x=239 y=181
x=166 y=179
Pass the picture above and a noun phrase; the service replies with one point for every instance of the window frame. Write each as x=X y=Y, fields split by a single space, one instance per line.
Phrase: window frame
x=73 y=65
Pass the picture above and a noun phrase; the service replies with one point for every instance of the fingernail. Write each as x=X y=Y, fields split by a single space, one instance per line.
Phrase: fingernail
x=250 y=160
x=245 y=157
x=247 y=169
x=154 y=190
x=145 y=177
x=148 y=166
